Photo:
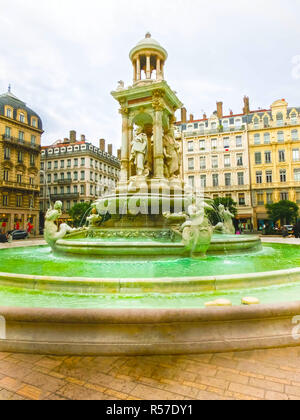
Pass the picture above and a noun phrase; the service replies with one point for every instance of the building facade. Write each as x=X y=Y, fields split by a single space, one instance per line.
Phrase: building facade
x=216 y=159
x=20 y=144
x=75 y=171
x=274 y=144
x=253 y=157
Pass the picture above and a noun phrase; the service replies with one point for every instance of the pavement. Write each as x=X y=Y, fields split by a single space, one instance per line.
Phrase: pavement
x=256 y=375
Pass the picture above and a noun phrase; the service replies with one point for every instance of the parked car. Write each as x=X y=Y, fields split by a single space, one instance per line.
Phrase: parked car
x=18 y=234
x=290 y=229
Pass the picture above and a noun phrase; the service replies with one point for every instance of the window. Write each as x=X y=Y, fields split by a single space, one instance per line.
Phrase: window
x=62 y=176
x=281 y=155
x=296 y=155
x=62 y=164
x=32 y=160
x=82 y=189
x=203 y=181
x=34 y=122
x=190 y=147
x=267 y=138
x=280 y=136
x=56 y=164
x=238 y=123
x=295 y=135
x=268 y=157
x=227 y=161
x=215 y=178
x=239 y=160
x=49 y=178
x=68 y=205
x=284 y=196
x=68 y=189
x=227 y=180
x=239 y=141
x=225 y=125
x=7 y=153
x=202 y=162
x=55 y=177
x=266 y=121
x=91 y=176
x=191 y=181
x=294 y=118
x=8 y=112
x=19 y=201
x=260 y=199
x=242 y=200
x=297 y=175
x=259 y=177
x=240 y=178
x=282 y=175
x=22 y=117
x=82 y=175
x=258 y=160
x=20 y=157
x=75 y=176
x=82 y=161
x=76 y=163
x=215 y=163
x=279 y=119
x=5 y=175
x=269 y=198
x=21 y=136
x=33 y=140
x=191 y=164
x=62 y=190
x=226 y=141
x=50 y=165
x=69 y=176
x=7 y=132
x=75 y=189
x=202 y=145
x=5 y=200
x=69 y=163
x=214 y=144
x=256 y=122
x=269 y=177
x=257 y=138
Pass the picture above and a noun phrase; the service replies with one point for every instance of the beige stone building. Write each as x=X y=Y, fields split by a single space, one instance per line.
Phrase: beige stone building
x=75 y=171
x=20 y=140
x=216 y=157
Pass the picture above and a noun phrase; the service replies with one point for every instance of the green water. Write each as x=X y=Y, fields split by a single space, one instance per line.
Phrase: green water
x=41 y=262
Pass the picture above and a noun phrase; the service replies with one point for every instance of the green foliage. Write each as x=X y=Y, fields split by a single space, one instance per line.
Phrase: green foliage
x=227 y=202
x=79 y=213
x=285 y=211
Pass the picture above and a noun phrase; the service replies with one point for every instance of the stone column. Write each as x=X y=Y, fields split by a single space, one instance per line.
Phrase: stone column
x=148 y=67
x=125 y=147
x=134 y=71
x=162 y=70
x=138 y=68
x=158 y=152
x=158 y=69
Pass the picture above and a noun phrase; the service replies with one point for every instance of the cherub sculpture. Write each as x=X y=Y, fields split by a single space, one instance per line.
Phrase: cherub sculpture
x=51 y=234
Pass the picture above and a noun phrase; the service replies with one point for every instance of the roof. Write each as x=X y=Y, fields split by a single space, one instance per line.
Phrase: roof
x=11 y=100
x=148 y=43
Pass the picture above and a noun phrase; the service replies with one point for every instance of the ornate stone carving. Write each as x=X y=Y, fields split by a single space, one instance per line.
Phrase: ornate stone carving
x=226 y=226
x=52 y=235
x=94 y=219
x=157 y=101
x=138 y=155
x=172 y=156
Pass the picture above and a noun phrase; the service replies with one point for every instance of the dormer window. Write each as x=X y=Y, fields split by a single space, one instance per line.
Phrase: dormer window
x=279 y=119
x=34 y=122
x=22 y=118
x=8 y=112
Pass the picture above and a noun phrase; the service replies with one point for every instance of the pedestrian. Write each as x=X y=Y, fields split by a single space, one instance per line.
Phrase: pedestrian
x=285 y=232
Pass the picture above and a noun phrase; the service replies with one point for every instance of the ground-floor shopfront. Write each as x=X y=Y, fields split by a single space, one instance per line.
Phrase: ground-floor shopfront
x=11 y=219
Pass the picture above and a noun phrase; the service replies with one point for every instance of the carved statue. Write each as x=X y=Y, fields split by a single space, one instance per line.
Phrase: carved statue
x=226 y=226
x=51 y=234
x=94 y=219
x=171 y=155
x=121 y=85
x=139 y=151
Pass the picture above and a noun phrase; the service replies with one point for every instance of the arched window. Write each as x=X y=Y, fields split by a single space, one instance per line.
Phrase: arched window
x=279 y=119
x=266 y=121
x=256 y=122
x=294 y=118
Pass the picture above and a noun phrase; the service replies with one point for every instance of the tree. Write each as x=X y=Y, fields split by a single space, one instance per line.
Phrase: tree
x=227 y=202
x=79 y=213
x=285 y=211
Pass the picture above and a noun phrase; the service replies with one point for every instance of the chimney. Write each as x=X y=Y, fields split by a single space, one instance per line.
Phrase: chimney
x=73 y=136
x=246 y=109
x=110 y=149
x=66 y=140
x=82 y=137
x=102 y=145
x=183 y=115
x=231 y=112
x=220 y=110
x=204 y=116
x=119 y=154
x=191 y=117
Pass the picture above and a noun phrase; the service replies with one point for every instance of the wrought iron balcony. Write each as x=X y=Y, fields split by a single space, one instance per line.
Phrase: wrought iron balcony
x=19 y=185
x=22 y=143
x=70 y=196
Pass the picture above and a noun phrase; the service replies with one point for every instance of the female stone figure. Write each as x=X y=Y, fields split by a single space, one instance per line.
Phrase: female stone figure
x=139 y=151
x=227 y=218
x=52 y=235
x=172 y=155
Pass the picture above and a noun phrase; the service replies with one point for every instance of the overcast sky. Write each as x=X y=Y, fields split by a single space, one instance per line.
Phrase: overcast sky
x=64 y=57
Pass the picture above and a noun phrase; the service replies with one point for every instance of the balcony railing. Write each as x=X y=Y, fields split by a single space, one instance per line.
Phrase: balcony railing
x=22 y=143
x=19 y=186
x=220 y=130
x=73 y=196
x=67 y=181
